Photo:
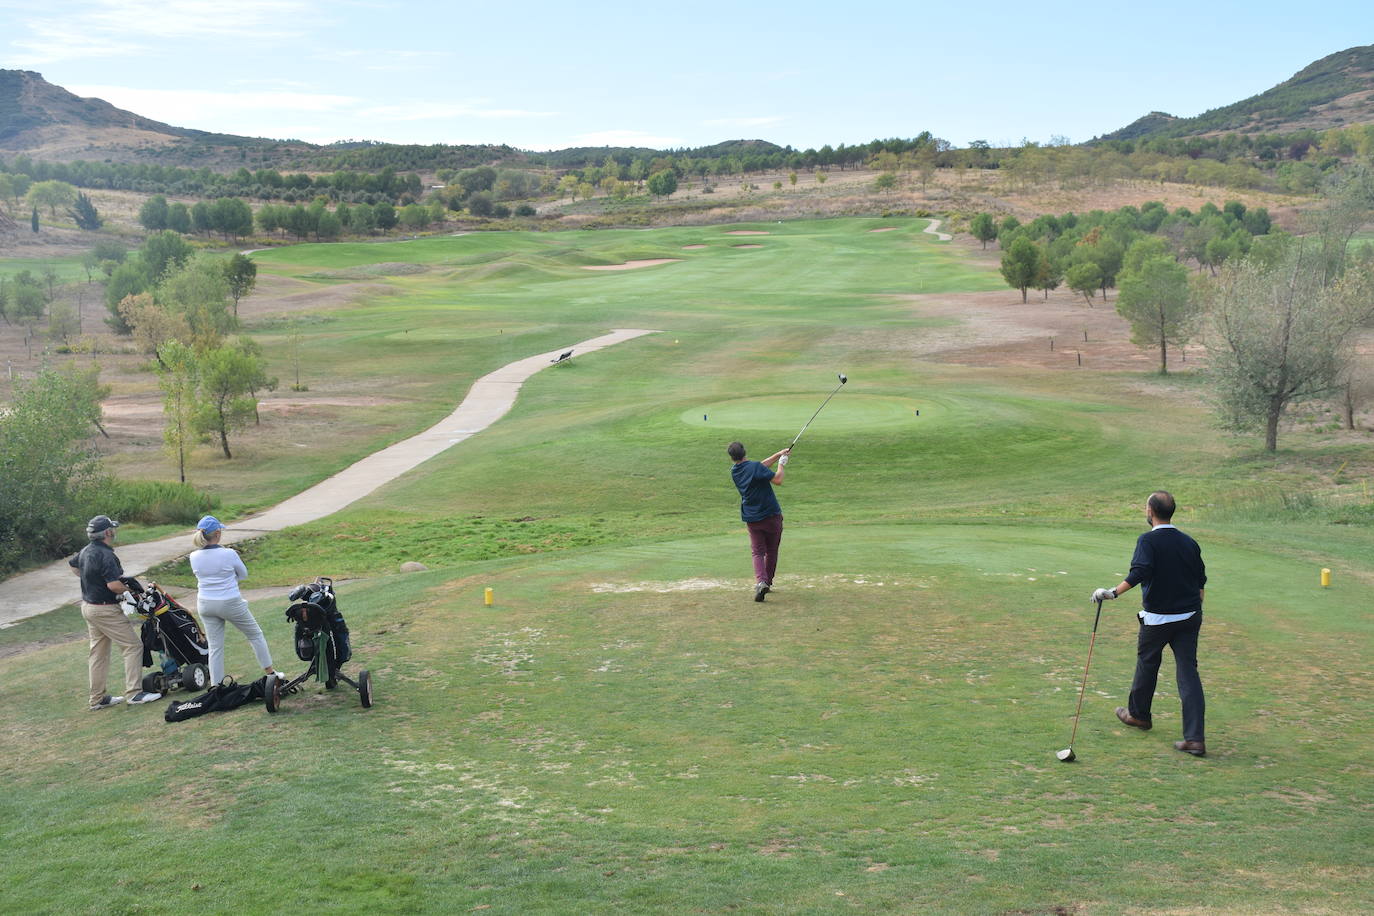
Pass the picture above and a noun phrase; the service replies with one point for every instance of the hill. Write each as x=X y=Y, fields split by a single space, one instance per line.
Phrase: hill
x=1336 y=91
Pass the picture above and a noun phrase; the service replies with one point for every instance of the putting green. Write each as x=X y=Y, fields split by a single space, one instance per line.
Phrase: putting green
x=845 y=413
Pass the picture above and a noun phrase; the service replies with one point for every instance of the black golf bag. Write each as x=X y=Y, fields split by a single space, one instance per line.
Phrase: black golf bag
x=321 y=639
x=313 y=609
x=170 y=631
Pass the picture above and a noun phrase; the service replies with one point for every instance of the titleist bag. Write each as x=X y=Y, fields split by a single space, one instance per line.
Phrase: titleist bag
x=220 y=698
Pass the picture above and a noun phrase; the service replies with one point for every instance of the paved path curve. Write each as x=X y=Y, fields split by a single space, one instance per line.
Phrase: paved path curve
x=490 y=397
x=933 y=227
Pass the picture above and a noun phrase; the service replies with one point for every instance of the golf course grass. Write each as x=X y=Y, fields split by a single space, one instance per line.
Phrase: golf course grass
x=625 y=730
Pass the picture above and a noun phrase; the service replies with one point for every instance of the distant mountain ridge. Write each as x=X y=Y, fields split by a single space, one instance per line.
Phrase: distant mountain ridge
x=1336 y=91
x=28 y=102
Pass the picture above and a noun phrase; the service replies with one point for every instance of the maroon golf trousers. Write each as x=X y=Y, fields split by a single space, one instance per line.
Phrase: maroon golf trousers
x=765 y=537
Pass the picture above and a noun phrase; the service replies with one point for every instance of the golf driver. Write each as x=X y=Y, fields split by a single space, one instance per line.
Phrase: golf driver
x=843 y=378
x=1067 y=755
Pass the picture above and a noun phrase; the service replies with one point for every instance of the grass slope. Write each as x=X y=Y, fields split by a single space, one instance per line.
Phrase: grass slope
x=625 y=730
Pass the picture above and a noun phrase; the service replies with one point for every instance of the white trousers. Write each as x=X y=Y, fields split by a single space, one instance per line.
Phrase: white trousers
x=214 y=612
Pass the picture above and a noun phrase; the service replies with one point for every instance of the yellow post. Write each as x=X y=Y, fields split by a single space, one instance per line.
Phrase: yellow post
x=487 y=597
x=1326 y=578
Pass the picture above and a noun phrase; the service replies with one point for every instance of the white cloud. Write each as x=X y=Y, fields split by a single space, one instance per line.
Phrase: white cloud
x=626 y=138
x=110 y=28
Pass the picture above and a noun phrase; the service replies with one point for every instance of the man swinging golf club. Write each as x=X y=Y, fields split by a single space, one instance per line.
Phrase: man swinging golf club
x=758 y=507
x=1168 y=567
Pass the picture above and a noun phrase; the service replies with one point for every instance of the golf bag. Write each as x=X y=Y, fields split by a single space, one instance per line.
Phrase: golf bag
x=170 y=631
x=219 y=698
x=314 y=608
x=321 y=639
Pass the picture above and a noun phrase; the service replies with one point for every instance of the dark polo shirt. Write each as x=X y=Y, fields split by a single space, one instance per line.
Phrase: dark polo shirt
x=98 y=565
x=753 y=479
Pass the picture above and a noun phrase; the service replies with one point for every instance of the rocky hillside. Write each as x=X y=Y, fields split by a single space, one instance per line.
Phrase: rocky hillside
x=1336 y=91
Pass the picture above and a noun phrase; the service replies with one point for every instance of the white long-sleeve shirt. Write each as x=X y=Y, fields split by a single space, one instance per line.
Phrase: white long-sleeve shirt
x=218 y=572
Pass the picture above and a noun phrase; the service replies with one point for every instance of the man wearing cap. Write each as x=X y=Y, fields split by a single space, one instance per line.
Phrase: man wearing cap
x=219 y=570
x=100 y=574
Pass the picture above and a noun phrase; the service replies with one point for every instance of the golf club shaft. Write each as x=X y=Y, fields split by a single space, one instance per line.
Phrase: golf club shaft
x=1084 y=686
x=817 y=413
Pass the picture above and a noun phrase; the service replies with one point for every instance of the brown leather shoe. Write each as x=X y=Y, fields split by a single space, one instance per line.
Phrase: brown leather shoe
x=1196 y=748
x=1132 y=721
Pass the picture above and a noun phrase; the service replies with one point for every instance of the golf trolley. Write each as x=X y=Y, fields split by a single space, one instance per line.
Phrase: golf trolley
x=322 y=640
x=173 y=633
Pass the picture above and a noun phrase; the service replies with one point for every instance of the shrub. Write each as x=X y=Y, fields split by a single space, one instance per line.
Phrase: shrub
x=153 y=502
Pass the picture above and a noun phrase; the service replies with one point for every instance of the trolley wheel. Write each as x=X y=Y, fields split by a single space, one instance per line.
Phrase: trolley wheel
x=365 y=688
x=152 y=683
x=195 y=677
x=271 y=697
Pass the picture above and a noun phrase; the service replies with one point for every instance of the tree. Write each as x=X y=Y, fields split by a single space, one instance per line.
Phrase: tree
x=51 y=194
x=480 y=204
x=884 y=182
x=164 y=251
x=178 y=380
x=152 y=325
x=153 y=215
x=232 y=217
x=47 y=464
x=983 y=228
x=1281 y=334
x=1020 y=264
x=179 y=218
x=84 y=214
x=227 y=376
x=242 y=273
x=662 y=184
x=1051 y=273
x=128 y=279
x=385 y=215
x=202 y=217
x=1084 y=278
x=414 y=217
x=1156 y=301
x=199 y=290
x=33 y=220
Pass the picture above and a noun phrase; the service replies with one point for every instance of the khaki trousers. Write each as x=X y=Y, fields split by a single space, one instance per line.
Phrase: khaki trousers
x=106 y=624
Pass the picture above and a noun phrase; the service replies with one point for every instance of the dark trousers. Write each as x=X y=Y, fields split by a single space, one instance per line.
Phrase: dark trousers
x=1180 y=636
x=765 y=537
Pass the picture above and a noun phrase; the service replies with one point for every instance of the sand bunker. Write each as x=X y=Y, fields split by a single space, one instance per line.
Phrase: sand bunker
x=748 y=232
x=631 y=265
x=886 y=229
x=692 y=247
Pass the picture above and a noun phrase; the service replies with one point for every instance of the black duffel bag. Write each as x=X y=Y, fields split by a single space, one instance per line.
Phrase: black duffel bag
x=219 y=698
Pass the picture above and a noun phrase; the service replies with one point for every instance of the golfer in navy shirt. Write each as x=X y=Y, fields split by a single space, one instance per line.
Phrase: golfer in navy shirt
x=759 y=509
x=1168 y=567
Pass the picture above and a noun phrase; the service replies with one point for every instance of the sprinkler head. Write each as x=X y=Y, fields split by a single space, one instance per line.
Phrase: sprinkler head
x=843 y=378
x=1066 y=755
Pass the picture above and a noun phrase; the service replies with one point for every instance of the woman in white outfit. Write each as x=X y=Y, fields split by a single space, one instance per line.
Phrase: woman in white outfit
x=218 y=572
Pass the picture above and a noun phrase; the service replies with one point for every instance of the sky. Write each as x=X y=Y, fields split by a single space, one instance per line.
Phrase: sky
x=552 y=74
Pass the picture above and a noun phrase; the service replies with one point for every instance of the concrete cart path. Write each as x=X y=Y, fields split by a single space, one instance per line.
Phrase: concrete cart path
x=490 y=397
x=934 y=229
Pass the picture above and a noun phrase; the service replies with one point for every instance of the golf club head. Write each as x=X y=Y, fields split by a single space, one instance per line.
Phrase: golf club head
x=843 y=378
x=1066 y=755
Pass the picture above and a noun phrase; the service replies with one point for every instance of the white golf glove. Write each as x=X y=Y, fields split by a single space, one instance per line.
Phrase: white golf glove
x=1103 y=594
x=782 y=462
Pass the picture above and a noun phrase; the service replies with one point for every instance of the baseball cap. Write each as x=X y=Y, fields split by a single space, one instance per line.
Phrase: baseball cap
x=100 y=524
x=209 y=524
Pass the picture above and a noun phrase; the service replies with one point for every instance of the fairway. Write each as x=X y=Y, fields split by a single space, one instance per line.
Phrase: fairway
x=623 y=729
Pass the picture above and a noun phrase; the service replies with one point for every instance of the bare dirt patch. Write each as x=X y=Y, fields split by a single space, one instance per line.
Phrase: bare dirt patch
x=885 y=229
x=746 y=246
x=631 y=265
x=692 y=247
x=996 y=328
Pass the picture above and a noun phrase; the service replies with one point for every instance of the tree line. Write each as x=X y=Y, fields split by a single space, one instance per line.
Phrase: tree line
x=1278 y=313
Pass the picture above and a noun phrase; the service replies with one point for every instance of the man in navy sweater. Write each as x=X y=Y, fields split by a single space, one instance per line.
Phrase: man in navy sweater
x=759 y=510
x=1168 y=567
